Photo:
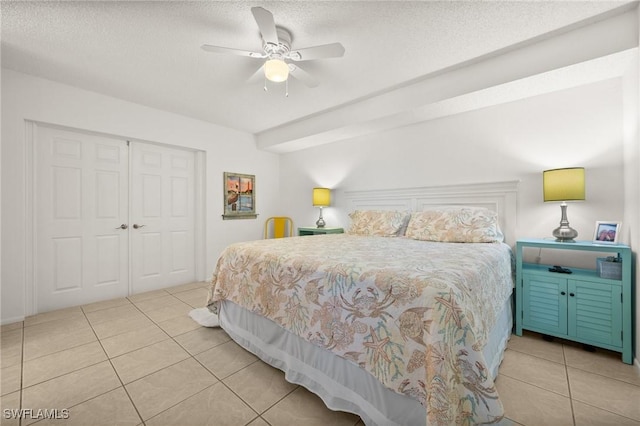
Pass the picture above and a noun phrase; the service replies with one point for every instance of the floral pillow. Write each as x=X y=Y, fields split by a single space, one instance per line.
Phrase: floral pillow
x=378 y=222
x=455 y=225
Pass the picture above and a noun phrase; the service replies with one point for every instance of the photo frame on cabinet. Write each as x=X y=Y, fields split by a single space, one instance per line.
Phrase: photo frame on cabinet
x=607 y=232
x=239 y=196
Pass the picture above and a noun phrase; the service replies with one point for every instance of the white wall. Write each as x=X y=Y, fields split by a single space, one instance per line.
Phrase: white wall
x=29 y=98
x=514 y=141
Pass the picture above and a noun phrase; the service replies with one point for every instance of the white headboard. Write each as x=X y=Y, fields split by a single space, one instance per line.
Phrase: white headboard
x=500 y=197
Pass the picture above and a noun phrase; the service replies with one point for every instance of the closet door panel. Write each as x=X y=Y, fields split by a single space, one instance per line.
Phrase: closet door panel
x=162 y=216
x=80 y=201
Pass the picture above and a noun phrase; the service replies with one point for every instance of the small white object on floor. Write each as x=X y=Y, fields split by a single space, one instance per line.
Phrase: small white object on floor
x=204 y=317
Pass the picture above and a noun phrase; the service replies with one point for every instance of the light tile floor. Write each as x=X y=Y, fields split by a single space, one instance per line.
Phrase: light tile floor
x=142 y=361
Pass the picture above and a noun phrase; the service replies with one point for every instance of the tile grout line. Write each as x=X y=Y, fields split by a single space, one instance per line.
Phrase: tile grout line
x=595 y=373
x=222 y=380
x=534 y=385
x=57 y=352
x=146 y=346
x=21 y=373
x=157 y=323
x=192 y=356
x=25 y=325
x=535 y=356
x=286 y=395
x=566 y=373
x=115 y=371
x=180 y=402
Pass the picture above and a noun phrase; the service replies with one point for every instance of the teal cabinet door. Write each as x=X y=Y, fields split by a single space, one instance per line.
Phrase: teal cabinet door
x=596 y=312
x=545 y=304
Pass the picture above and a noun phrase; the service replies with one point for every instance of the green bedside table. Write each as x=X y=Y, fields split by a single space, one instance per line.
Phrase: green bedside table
x=319 y=231
x=581 y=306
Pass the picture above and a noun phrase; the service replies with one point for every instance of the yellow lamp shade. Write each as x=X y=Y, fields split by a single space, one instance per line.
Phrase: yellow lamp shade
x=321 y=197
x=563 y=184
x=276 y=70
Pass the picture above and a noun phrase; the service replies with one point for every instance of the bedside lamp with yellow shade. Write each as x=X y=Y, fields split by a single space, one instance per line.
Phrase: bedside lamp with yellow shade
x=321 y=198
x=564 y=185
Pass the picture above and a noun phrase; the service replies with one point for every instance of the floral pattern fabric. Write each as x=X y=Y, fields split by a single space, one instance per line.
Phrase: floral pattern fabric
x=455 y=225
x=378 y=222
x=414 y=314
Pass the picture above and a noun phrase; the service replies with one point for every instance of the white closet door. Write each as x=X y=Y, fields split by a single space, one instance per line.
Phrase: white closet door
x=81 y=200
x=162 y=217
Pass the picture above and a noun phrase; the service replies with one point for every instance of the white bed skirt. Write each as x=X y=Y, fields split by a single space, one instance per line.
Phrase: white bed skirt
x=342 y=385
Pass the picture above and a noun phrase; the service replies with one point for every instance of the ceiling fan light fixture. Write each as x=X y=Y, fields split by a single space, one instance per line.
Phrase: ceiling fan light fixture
x=276 y=70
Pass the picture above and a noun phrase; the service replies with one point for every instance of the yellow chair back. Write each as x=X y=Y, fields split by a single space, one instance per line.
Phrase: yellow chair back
x=281 y=226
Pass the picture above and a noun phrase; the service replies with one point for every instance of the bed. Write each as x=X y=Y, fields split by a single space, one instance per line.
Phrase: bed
x=401 y=321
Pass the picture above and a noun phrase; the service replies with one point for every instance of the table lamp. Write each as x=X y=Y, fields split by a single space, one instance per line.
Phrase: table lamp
x=564 y=185
x=321 y=198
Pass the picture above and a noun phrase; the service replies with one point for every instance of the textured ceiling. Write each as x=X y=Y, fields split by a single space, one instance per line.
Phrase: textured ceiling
x=149 y=52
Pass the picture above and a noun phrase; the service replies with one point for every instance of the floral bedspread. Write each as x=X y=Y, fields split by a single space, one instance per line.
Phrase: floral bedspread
x=415 y=314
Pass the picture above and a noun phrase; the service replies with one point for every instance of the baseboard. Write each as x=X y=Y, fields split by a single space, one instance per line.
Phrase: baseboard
x=6 y=321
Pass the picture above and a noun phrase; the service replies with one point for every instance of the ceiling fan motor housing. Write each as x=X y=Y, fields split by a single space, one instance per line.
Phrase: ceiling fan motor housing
x=280 y=50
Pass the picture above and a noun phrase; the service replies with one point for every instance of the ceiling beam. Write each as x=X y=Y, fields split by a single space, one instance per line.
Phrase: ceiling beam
x=560 y=59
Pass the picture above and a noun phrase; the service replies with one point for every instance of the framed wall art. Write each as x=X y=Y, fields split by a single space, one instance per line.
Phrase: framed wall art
x=239 y=196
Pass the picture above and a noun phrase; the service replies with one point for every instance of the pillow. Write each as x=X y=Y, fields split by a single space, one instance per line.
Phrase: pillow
x=378 y=222
x=455 y=225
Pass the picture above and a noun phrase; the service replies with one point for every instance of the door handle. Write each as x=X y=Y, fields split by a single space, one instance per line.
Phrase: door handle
x=123 y=226
x=136 y=226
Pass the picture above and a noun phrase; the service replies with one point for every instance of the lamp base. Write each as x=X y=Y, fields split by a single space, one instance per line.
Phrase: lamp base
x=564 y=233
x=320 y=223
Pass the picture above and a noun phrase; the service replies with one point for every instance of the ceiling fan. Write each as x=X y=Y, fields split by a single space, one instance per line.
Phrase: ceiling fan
x=277 y=53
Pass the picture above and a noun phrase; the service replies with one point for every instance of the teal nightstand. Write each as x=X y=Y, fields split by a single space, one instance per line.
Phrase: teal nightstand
x=319 y=231
x=581 y=306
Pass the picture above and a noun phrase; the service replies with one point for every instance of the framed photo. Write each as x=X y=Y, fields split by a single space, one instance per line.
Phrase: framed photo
x=239 y=196
x=606 y=232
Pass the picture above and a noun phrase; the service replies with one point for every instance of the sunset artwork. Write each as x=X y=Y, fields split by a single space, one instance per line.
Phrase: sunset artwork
x=239 y=195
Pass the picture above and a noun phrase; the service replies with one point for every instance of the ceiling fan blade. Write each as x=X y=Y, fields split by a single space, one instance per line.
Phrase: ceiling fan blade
x=265 y=22
x=228 y=50
x=257 y=76
x=302 y=75
x=333 y=50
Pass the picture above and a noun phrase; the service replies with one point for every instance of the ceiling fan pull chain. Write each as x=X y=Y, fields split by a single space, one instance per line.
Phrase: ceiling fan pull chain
x=265 y=84
x=286 y=88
